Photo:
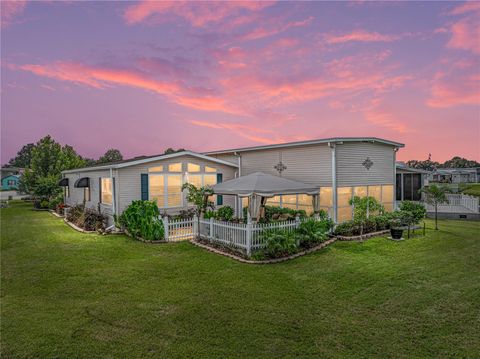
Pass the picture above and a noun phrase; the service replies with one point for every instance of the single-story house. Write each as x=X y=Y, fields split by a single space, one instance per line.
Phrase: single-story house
x=339 y=167
x=455 y=175
x=10 y=182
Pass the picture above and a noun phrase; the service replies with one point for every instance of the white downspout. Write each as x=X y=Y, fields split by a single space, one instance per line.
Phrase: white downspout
x=238 y=200
x=334 y=180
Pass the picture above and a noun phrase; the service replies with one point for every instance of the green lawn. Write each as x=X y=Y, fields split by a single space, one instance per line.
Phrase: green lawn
x=472 y=189
x=70 y=295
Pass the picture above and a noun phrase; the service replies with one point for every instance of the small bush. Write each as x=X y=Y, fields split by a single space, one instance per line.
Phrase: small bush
x=279 y=243
x=348 y=228
x=141 y=219
x=91 y=220
x=54 y=202
x=312 y=232
x=225 y=213
x=274 y=213
x=74 y=213
x=417 y=210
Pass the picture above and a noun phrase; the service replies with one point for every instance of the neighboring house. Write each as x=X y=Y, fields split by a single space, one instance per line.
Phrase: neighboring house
x=10 y=182
x=340 y=167
x=455 y=175
x=409 y=181
x=6 y=171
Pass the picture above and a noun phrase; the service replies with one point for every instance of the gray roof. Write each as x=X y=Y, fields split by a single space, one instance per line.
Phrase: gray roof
x=403 y=167
x=264 y=185
x=146 y=159
x=311 y=142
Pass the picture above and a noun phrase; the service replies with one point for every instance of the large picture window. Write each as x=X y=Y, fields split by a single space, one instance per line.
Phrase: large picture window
x=106 y=191
x=166 y=190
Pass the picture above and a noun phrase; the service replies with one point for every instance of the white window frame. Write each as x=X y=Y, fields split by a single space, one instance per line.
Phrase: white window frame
x=101 y=191
x=165 y=186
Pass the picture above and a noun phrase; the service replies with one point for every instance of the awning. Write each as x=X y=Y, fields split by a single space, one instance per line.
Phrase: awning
x=82 y=182
x=63 y=182
x=265 y=185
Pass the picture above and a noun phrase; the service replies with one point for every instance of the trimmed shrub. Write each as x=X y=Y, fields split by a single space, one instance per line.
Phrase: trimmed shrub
x=141 y=219
x=348 y=228
x=312 y=232
x=279 y=243
x=417 y=210
x=225 y=213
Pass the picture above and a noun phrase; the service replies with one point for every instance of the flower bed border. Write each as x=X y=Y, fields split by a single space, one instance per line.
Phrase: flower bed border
x=363 y=236
x=142 y=239
x=267 y=261
x=56 y=214
x=75 y=227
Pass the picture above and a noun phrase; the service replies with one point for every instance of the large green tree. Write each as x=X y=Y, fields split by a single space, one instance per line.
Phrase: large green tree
x=23 y=157
x=460 y=162
x=112 y=155
x=48 y=160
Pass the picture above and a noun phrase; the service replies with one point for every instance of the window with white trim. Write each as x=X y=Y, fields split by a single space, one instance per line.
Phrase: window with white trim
x=166 y=190
x=175 y=167
x=106 y=188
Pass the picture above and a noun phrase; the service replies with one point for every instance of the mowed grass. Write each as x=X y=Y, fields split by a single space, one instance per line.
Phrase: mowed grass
x=472 y=189
x=71 y=295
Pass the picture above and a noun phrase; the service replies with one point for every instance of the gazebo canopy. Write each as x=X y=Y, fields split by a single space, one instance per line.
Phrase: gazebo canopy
x=264 y=185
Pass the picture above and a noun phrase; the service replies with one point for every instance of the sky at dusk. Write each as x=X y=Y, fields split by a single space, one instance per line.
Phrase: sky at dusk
x=145 y=76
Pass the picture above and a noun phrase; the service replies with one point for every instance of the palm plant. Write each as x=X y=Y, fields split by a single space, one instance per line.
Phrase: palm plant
x=199 y=198
x=435 y=195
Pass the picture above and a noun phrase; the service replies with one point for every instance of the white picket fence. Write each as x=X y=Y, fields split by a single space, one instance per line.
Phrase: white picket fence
x=177 y=230
x=245 y=236
x=457 y=202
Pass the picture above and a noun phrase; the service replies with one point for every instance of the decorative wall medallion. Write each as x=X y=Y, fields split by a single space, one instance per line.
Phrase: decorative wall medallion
x=367 y=163
x=280 y=167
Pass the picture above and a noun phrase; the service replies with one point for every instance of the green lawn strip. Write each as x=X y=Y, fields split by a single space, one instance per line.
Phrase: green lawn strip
x=472 y=189
x=68 y=294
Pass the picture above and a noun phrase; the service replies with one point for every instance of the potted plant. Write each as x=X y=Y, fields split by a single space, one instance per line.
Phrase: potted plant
x=396 y=229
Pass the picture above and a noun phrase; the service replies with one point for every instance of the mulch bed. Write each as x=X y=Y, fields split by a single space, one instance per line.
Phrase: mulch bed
x=143 y=240
x=363 y=236
x=267 y=261
x=75 y=227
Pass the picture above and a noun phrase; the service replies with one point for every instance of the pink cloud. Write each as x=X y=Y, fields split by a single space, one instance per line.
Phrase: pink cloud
x=10 y=10
x=361 y=36
x=197 y=13
x=246 y=131
x=466 y=34
x=468 y=6
x=455 y=89
x=102 y=77
x=262 y=32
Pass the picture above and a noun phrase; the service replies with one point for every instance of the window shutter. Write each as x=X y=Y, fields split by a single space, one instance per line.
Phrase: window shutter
x=144 y=186
x=99 y=189
x=219 y=196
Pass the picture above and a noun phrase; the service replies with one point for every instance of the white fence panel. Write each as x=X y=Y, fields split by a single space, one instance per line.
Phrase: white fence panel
x=457 y=202
x=176 y=230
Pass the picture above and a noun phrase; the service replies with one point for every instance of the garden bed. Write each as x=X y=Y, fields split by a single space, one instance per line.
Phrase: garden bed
x=75 y=227
x=56 y=214
x=231 y=254
x=142 y=239
x=362 y=237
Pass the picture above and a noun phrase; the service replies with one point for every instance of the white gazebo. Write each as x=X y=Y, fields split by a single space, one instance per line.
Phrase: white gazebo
x=259 y=186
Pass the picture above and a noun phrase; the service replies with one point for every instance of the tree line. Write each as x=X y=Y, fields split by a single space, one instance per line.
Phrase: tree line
x=455 y=162
x=45 y=160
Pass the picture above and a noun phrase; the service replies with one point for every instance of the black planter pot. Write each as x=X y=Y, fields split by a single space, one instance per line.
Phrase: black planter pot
x=396 y=233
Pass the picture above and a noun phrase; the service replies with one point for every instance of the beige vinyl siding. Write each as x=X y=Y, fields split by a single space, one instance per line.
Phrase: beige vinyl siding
x=350 y=169
x=310 y=164
x=229 y=157
x=76 y=194
x=129 y=178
